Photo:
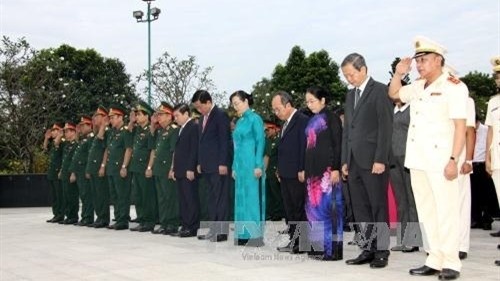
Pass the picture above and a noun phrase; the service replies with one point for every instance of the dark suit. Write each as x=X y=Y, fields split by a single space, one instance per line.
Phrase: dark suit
x=186 y=159
x=367 y=139
x=291 y=153
x=214 y=151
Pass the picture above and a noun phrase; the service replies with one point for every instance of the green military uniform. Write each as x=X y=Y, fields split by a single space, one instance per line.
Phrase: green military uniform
x=78 y=166
x=166 y=190
x=119 y=141
x=145 y=200
x=69 y=189
x=99 y=185
x=275 y=209
x=55 y=159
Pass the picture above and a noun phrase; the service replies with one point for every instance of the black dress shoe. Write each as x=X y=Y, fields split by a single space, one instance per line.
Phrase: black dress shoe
x=136 y=228
x=207 y=236
x=51 y=220
x=160 y=230
x=486 y=226
x=296 y=250
x=187 y=233
x=363 y=258
x=101 y=225
x=497 y=262
x=219 y=238
x=145 y=228
x=379 y=263
x=111 y=226
x=171 y=231
x=495 y=234
x=133 y=220
x=70 y=221
x=58 y=219
x=424 y=271
x=498 y=246
x=286 y=249
x=81 y=223
x=462 y=255
x=121 y=227
x=397 y=248
x=448 y=274
x=407 y=249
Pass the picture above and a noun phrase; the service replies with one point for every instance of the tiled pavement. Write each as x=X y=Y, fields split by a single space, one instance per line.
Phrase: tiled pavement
x=31 y=249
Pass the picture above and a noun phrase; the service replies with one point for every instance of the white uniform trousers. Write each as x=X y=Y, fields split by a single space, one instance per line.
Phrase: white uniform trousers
x=438 y=203
x=465 y=205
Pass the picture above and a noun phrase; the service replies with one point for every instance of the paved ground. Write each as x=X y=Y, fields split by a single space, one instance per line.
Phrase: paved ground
x=31 y=249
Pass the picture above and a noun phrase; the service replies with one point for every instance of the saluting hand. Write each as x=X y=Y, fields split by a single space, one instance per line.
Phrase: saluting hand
x=48 y=134
x=404 y=66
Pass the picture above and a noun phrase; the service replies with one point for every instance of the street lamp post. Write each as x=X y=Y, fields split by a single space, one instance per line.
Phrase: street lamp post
x=155 y=12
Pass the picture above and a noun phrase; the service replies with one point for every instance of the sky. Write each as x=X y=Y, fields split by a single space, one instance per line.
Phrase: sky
x=244 y=40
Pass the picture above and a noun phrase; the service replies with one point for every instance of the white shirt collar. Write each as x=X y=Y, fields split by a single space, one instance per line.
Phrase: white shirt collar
x=363 y=85
x=401 y=109
x=291 y=115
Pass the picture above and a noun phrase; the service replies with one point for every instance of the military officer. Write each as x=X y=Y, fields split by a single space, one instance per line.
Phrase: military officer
x=493 y=137
x=51 y=144
x=77 y=169
x=95 y=169
x=69 y=189
x=436 y=139
x=274 y=202
x=160 y=161
x=145 y=203
x=119 y=148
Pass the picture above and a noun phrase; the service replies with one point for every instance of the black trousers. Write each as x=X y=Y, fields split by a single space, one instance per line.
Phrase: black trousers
x=218 y=201
x=484 y=203
x=407 y=210
x=189 y=203
x=294 y=196
x=369 y=201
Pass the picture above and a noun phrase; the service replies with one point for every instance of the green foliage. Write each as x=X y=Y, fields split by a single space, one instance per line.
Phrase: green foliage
x=38 y=88
x=299 y=73
x=481 y=87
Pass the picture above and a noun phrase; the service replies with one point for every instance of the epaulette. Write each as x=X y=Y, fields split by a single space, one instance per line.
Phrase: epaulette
x=454 y=80
x=63 y=139
x=419 y=78
x=174 y=126
x=124 y=128
x=91 y=135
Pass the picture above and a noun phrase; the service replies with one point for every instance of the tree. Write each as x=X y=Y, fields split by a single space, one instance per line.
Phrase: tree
x=406 y=79
x=300 y=72
x=481 y=87
x=175 y=81
x=52 y=85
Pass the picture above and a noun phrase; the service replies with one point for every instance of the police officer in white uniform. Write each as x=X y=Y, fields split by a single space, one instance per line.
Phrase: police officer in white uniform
x=436 y=139
x=493 y=137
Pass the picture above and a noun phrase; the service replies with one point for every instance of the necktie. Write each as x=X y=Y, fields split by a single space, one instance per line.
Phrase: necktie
x=284 y=127
x=357 y=96
x=205 y=119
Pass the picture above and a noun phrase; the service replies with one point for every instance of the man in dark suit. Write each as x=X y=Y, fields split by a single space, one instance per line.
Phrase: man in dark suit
x=213 y=163
x=366 y=150
x=291 y=153
x=184 y=171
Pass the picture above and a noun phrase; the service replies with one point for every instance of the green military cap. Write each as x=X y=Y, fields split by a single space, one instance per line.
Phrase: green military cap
x=101 y=110
x=144 y=107
x=165 y=108
x=58 y=126
x=85 y=119
x=70 y=126
x=117 y=109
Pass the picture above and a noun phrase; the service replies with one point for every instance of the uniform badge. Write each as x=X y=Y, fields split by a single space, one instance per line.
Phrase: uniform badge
x=435 y=94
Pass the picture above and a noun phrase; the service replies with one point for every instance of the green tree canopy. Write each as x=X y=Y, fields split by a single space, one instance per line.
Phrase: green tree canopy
x=38 y=88
x=481 y=87
x=299 y=73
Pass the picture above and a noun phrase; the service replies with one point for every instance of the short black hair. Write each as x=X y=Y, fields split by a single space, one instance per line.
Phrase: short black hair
x=284 y=97
x=319 y=93
x=201 y=95
x=242 y=95
x=183 y=108
x=357 y=61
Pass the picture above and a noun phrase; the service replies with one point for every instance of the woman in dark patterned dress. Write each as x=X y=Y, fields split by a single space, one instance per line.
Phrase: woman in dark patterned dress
x=324 y=201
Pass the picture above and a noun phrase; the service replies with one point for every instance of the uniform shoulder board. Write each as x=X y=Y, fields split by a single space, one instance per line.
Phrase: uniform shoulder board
x=419 y=78
x=91 y=135
x=124 y=128
x=63 y=139
x=146 y=127
x=174 y=126
x=107 y=128
x=454 y=80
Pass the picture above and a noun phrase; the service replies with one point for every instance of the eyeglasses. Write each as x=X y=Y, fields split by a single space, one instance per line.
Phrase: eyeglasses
x=308 y=102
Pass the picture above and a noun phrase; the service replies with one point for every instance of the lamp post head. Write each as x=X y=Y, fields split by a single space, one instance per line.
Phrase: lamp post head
x=138 y=15
x=155 y=12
